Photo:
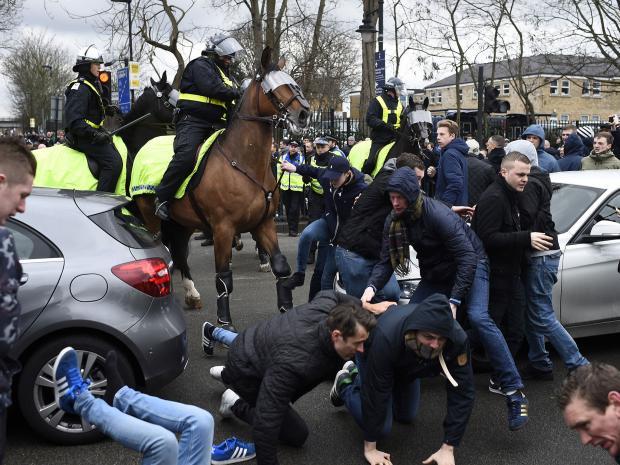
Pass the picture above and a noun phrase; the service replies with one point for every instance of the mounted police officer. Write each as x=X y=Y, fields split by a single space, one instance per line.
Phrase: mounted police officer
x=383 y=117
x=207 y=95
x=85 y=110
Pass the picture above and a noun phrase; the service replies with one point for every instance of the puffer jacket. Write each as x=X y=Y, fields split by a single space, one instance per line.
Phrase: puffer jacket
x=573 y=154
x=452 y=178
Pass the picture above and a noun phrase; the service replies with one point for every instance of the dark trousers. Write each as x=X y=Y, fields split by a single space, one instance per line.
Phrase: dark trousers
x=293 y=430
x=2 y=433
x=190 y=133
x=507 y=309
x=292 y=201
x=109 y=161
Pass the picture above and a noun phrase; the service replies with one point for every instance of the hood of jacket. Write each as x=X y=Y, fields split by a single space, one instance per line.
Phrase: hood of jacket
x=543 y=176
x=405 y=182
x=602 y=156
x=496 y=155
x=573 y=146
x=526 y=148
x=457 y=144
x=434 y=315
x=535 y=130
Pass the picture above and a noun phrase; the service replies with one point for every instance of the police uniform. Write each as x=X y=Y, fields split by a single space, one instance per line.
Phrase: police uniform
x=383 y=117
x=84 y=116
x=207 y=93
x=292 y=189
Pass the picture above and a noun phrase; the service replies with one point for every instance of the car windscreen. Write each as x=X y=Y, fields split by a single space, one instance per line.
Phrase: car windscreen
x=569 y=202
x=125 y=228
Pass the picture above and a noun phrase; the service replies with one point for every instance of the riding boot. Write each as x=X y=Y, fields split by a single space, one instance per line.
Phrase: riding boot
x=285 y=296
x=224 y=286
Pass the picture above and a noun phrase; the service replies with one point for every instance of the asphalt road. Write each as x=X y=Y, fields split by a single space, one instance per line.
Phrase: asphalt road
x=334 y=437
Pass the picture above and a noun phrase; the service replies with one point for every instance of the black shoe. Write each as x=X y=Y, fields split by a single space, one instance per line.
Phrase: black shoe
x=161 y=210
x=295 y=280
x=207 y=338
x=531 y=373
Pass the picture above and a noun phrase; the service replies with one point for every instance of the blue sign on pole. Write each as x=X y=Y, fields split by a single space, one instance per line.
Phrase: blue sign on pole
x=379 y=71
x=124 y=95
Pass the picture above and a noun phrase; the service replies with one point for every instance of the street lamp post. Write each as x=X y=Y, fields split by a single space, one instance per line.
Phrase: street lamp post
x=368 y=32
x=128 y=2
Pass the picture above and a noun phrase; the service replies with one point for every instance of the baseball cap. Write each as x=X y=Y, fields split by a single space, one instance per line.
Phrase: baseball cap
x=294 y=143
x=337 y=167
x=320 y=140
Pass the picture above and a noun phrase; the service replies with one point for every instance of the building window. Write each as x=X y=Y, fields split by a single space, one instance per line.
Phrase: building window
x=506 y=88
x=474 y=93
x=565 y=87
x=553 y=87
x=432 y=98
x=460 y=94
x=596 y=119
x=596 y=88
x=584 y=118
x=438 y=96
x=563 y=118
x=585 y=90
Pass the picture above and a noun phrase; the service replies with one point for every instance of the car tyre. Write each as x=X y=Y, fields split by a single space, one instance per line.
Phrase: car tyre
x=35 y=390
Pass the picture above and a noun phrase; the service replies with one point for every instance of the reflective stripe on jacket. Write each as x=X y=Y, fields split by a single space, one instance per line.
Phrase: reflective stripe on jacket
x=387 y=112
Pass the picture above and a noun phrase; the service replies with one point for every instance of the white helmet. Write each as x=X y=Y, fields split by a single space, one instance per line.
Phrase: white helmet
x=224 y=45
x=86 y=56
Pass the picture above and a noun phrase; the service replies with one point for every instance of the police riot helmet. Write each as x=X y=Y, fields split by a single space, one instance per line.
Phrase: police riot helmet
x=87 y=56
x=396 y=84
x=223 y=45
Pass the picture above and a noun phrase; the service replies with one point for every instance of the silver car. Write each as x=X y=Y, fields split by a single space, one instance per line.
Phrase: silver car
x=586 y=210
x=93 y=279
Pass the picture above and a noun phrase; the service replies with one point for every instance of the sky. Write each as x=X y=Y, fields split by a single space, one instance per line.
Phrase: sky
x=51 y=17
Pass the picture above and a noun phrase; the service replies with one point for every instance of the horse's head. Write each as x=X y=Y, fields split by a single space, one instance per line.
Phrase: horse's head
x=165 y=99
x=419 y=122
x=283 y=96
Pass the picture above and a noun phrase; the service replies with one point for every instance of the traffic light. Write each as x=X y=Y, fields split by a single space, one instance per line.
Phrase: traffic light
x=491 y=104
x=105 y=78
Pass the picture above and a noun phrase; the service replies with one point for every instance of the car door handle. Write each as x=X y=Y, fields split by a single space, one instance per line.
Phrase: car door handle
x=24 y=279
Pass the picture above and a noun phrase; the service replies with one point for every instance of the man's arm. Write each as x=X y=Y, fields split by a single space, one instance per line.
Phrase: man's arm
x=209 y=82
x=374 y=114
x=487 y=224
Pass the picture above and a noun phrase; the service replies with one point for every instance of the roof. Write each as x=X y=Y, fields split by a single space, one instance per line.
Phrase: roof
x=559 y=65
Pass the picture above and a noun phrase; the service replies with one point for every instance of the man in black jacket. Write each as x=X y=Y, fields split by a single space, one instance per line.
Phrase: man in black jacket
x=410 y=342
x=207 y=94
x=495 y=151
x=498 y=225
x=85 y=112
x=359 y=242
x=480 y=175
x=383 y=117
x=274 y=363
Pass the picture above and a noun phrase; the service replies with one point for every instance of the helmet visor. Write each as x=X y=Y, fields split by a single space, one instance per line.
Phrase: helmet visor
x=228 y=46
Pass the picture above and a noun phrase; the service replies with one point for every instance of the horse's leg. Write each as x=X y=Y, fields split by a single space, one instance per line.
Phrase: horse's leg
x=237 y=242
x=263 y=257
x=177 y=239
x=222 y=238
x=267 y=238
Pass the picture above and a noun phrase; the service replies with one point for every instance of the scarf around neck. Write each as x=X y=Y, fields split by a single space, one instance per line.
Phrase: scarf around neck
x=398 y=240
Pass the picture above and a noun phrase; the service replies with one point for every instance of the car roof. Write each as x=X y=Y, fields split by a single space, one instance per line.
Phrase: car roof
x=605 y=179
x=89 y=202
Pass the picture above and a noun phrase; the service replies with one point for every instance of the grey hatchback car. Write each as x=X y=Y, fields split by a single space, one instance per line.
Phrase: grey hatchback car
x=94 y=279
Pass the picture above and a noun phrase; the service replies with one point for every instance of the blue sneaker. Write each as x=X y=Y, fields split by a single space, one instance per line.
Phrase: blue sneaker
x=232 y=450
x=517 y=411
x=68 y=382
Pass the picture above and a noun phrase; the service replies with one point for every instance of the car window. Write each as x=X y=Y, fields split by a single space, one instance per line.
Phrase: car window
x=569 y=202
x=29 y=244
x=610 y=210
x=125 y=228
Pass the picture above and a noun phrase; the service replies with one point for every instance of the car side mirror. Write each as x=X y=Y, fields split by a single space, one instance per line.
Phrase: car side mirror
x=603 y=230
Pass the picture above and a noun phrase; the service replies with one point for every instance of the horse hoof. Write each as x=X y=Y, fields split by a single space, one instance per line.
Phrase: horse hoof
x=227 y=326
x=239 y=245
x=193 y=303
x=264 y=267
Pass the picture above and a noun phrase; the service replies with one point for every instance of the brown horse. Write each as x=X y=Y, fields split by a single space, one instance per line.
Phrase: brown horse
x=238 y=192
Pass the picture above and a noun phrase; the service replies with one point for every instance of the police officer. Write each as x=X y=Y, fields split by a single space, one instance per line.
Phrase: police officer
x=292 y=187
x=205 y=102
x=84 y=115
x=383 y=117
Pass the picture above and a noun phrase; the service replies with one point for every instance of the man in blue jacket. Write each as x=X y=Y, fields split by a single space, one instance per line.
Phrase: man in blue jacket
x=573 y=153
x=410 y=342
x=452 y=262
x=536 y=135
x=451 y=183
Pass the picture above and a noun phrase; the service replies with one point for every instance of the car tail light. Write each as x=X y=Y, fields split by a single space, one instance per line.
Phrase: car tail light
x=150 y=276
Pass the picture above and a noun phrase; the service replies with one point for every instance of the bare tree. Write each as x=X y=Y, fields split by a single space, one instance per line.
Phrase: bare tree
x=10 y=18
x=37 y=69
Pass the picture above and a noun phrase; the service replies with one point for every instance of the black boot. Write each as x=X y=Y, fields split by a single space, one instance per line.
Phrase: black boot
x=294 y=280
x=224 y=286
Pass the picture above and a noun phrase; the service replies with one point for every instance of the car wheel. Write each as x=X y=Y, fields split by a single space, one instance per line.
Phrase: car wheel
x=35 y=389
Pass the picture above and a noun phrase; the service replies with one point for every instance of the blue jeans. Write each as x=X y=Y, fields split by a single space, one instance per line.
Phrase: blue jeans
x=540 y=276
x=224 y=336
x=355 y=271
x=148 y=425
x=486 y=330
x=315 y=231
x=402 y=407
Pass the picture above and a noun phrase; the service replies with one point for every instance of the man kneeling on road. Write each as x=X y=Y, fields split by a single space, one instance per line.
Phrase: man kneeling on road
x=409 y=342
x=274 y=363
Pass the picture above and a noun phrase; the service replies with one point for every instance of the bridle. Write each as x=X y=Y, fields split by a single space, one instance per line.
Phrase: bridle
x=169 y=100
x=419 y=119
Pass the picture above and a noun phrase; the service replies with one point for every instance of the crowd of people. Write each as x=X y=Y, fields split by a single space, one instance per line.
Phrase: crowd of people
x=487 y=251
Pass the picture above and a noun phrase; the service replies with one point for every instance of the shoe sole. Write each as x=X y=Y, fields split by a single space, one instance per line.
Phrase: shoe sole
x=497 y=391
x=334 y=396
x=55 y=370
x=233 y=460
